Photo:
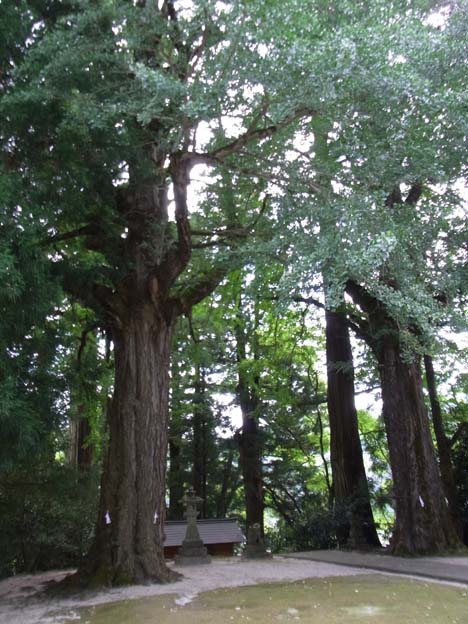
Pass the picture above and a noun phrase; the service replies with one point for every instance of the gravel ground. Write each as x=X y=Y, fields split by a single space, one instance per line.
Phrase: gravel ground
x=21 y=601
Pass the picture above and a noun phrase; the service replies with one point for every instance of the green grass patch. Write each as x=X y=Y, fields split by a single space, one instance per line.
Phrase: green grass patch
x=363 y=599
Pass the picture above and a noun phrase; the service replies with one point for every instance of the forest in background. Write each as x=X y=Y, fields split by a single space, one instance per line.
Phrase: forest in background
x=206 y=207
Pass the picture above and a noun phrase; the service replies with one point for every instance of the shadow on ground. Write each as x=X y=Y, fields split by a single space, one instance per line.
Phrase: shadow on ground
x=367 y=599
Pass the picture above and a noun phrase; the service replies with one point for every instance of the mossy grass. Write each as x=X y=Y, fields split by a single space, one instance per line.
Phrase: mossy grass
x=363 y=599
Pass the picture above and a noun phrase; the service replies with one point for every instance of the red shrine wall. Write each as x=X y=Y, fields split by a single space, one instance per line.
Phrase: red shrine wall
x=216 y=550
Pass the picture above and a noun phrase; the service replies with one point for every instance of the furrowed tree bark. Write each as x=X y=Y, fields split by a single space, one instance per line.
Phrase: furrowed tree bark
x=423 y=524
x=356 y=527
x=250 y=453
x=443 y=447
x=141 y=313
x=128 y=546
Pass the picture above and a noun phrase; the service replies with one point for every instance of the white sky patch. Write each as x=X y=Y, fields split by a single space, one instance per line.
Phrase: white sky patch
x=460 y=187
x=369 y=402
x=303 y=142
x=204 y=134
x=171 y=203
x=262 y=50
x=233 y=126
x=456 y=364
x=459 y=338
x=185 y=9
x=396 y=59
x=438 y=19
x=123 y=176
x=249 y=91
x=200 y=177
x=233 y=412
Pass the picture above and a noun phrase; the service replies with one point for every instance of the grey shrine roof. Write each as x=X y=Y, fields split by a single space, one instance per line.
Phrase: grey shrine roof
x=212 y=531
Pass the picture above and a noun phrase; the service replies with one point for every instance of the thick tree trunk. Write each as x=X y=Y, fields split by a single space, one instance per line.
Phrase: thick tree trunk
x=141 y=313
x=423 y=523
x=356 y=528
x=443 y=447
x=128 y=546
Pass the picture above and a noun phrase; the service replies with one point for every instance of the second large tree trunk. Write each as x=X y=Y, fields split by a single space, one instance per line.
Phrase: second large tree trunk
x=356 y=528
x=423 y=523
x=128 y=546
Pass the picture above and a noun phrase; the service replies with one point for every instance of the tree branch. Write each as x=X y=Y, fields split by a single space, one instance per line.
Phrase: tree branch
x=414 y=194
x=83 y=341
x=207 y=284
x=361 y=296
x=180 y=181
x=82 y=231
x=256 y=134
x=233 y=233
x=200 y=289
x=211 y=244
x=218 y=155
x=309 y=301
x=394 y=197
x=461 y=430
x=197 y=52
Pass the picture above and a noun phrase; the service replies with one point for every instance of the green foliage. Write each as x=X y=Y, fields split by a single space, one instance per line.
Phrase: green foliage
x=97 y=96
x=86 y=363
x=379 y=478
x=47 y=517
x=30 y=384
x=276 y=359
x=313 y=529
x=197 y=411
x=395 y=117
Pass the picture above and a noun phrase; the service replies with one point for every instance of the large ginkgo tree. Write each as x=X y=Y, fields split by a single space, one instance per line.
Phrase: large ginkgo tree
x=100 y=119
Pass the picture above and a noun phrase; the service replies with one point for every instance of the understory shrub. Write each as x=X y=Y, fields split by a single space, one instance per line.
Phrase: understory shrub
x=312 y=531
x=47 y=517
